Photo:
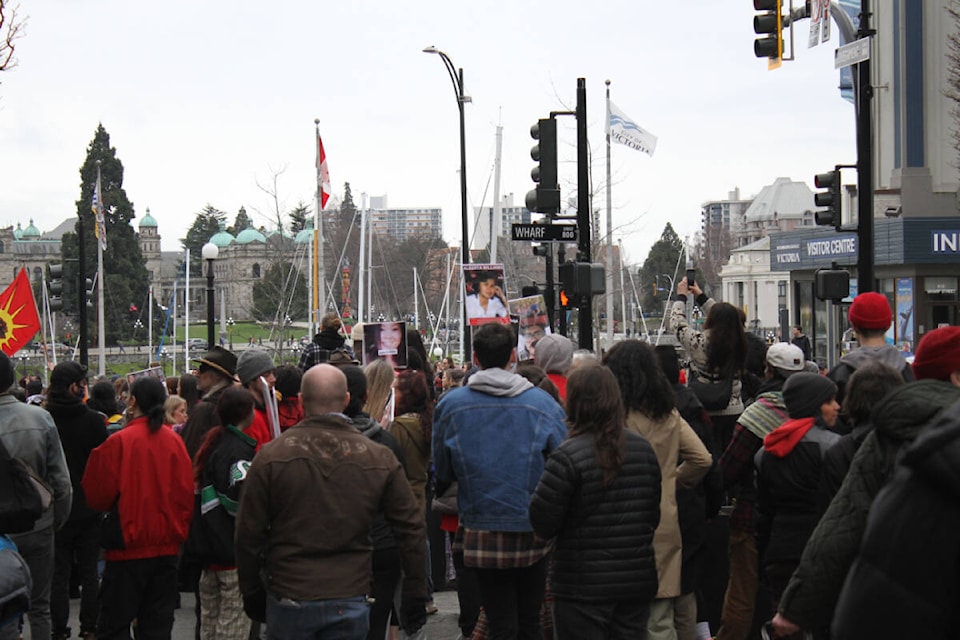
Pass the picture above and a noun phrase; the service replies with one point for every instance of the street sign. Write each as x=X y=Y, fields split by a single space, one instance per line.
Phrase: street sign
x=852 y=53
x=544 y=232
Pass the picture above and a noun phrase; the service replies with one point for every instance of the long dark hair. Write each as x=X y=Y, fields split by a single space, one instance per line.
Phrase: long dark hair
x=643 y=385
x=726 y=345
x=150 y=395
x=415 y=398
x=235 y=404
x=188 y=390
x=594 y=407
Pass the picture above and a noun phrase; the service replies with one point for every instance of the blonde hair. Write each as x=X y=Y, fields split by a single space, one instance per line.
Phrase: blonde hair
x=379 y=384
x=170 y=405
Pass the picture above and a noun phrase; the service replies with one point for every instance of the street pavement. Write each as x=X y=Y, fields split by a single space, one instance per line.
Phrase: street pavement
x=440 y=626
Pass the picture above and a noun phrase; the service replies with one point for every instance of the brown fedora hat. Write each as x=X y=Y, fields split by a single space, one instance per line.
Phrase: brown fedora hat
x=224 y=361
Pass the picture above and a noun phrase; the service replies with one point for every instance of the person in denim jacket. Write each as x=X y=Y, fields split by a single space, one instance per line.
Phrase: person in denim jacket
x=493 y=437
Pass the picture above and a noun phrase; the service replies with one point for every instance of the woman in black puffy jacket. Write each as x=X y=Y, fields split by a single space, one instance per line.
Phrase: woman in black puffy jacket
x=600 y=497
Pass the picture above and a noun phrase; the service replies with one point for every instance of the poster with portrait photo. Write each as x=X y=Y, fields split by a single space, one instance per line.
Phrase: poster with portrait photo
x=485 y=300
x=385 y=341
x=533 y=324
x=153 y=372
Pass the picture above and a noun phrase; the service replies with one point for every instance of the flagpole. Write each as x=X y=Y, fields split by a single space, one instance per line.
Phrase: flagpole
x=361 y=299
x=186 y=317
x=101 y=239
x=318 y=275
x=610 y=321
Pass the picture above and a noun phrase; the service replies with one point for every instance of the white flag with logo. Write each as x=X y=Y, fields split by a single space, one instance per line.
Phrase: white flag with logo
x=625 y=131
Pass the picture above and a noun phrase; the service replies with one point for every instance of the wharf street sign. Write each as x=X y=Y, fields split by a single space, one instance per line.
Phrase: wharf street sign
x=544 y=232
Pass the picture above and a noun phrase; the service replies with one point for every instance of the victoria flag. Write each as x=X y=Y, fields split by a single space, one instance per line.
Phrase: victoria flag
x=625 y=131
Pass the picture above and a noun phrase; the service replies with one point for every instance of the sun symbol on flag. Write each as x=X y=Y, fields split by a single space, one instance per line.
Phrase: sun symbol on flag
x=8 y=322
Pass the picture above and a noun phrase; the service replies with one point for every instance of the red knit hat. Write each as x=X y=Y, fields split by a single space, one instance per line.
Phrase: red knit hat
x=870 y=311
x=938 y=354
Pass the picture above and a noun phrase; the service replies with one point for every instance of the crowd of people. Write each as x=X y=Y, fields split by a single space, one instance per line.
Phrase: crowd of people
x=705 y=492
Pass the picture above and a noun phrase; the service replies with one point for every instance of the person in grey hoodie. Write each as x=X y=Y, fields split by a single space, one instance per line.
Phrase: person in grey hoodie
x=493 y=437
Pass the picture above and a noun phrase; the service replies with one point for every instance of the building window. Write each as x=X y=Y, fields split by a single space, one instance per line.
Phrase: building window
x=37 y=274
x=256 y=270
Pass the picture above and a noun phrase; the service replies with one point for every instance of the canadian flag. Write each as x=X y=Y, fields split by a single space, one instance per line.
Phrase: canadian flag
x=323 y=173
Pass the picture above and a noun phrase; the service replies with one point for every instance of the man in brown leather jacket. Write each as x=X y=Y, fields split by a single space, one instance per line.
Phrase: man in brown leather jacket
x=304 y=521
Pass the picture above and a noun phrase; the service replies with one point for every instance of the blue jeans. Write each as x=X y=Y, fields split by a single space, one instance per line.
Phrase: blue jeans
x=341 y=619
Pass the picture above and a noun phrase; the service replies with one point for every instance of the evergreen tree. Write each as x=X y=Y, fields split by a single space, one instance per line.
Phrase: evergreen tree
x=241 y=222
x=299 y=216
x=204 y=226
x=348 y=210
x=126 y=279
x=661 y=261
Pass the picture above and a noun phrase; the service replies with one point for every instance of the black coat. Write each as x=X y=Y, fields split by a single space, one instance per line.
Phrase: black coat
x=701 y=503
x=906 y=581
x=81 y=431
x=604 y=548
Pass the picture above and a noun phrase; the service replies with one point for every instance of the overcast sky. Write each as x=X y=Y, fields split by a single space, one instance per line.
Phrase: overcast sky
x=204 y=100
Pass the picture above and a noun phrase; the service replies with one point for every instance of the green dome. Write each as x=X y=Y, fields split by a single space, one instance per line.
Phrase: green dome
x=249 y=235
x=18 y=232
x=31 y=232
x=222 y=238
x=148 y=220
x=305 y=235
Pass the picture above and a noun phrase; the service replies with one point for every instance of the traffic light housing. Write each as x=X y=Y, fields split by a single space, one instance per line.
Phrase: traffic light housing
x=831 y=284
x=582 y=278
x=545 y=197
x=541 y=250
x=769 y=24
x=56 y=286
x=829 y=199
x=529 y=290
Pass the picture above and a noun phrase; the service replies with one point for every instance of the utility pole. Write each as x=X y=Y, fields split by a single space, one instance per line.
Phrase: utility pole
x=865 y=257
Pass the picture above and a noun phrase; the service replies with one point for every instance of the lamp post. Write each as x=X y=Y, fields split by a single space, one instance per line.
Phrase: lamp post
x=210 y=253
x=456 y=77
x=230 y=324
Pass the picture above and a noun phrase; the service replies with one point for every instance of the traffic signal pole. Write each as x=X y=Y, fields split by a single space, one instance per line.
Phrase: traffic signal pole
x=865 y=257
x=585 y=302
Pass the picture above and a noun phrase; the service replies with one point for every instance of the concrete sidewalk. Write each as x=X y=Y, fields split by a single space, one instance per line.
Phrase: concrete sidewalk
x=440 y=626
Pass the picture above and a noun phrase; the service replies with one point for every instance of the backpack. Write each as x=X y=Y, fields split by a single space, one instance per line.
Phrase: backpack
x=15 y=583
x=23 y=495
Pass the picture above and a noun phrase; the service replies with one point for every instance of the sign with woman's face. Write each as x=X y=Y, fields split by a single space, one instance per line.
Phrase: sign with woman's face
x=385 y=341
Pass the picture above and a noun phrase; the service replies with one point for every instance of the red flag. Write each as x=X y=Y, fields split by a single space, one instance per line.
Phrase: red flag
x=323 y=174
x=19 y=321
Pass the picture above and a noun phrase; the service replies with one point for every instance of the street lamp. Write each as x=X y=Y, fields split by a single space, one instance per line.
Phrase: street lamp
x=230 y=324
x=456 y=77
x=210 y=253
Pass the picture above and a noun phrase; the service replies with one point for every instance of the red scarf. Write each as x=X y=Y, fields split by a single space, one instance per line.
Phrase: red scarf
x=784 y=438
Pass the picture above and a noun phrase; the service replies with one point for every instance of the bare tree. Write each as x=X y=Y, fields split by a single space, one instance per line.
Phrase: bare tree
x=10 y=30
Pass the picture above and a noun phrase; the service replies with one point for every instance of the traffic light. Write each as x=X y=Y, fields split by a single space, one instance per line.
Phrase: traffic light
x=541 y=250
x=529 y=290
x=830 y=199
x=88 y=287
x=56 y=286
x=768 y=24
x=545 y=198
x=564 y=299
